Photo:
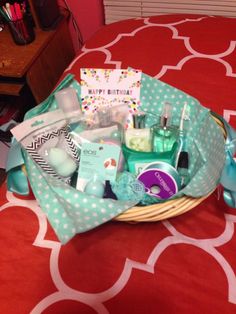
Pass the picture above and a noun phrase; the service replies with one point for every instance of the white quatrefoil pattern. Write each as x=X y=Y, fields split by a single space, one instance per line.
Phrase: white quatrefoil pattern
x=183 y=265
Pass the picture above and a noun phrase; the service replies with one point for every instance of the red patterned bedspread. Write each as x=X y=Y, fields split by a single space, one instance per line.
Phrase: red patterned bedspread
x=182 y=265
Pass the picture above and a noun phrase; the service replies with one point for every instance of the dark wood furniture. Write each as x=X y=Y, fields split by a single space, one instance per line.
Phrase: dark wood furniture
x=35 y=67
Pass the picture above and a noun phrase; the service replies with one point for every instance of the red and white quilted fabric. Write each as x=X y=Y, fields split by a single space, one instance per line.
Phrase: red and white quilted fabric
x=182 y=265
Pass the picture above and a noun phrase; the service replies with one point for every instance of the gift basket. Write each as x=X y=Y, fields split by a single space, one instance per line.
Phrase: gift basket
x=148 y=159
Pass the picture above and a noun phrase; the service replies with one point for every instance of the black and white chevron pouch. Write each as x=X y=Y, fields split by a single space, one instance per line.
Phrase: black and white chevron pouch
x=39 y=134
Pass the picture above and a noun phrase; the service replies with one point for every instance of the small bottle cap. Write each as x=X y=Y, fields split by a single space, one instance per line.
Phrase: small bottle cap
x=67 y=100
x=183 y=161
x=108 y=193
x=139 y=120
x=166 y=115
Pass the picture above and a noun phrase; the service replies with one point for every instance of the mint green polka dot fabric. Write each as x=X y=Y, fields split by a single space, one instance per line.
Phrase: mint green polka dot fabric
x=70 y=211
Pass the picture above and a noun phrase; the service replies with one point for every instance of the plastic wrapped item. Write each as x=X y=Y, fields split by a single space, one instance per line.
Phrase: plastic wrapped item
x=107 y=122
x=68 y=102
x=61 y=161
x=106 y=128
x=47 y=140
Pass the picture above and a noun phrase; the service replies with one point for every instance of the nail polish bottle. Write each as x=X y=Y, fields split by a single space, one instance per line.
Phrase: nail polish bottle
x=164 y=134
x=139 y=137
x=182 y=161
x=182 y=168
x=108 y=193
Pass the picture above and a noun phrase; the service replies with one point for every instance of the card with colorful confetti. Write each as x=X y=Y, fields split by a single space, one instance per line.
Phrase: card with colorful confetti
x=102 y=87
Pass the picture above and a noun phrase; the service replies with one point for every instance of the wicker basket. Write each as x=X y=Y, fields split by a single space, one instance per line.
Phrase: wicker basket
x=167 y=209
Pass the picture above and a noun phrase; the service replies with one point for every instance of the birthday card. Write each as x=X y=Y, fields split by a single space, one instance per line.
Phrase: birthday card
x=102 y=87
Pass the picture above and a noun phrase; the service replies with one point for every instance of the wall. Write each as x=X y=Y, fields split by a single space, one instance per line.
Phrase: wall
x=89 y=16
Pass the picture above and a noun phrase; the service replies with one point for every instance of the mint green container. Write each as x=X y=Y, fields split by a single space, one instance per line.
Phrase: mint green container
x=136 y=161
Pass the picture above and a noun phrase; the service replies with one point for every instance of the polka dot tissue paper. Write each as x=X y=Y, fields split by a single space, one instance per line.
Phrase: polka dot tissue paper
x=71 y=211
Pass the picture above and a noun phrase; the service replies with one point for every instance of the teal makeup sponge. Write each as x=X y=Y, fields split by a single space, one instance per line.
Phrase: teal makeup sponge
x=62 y=162
x=57 y=156
x=67 y=168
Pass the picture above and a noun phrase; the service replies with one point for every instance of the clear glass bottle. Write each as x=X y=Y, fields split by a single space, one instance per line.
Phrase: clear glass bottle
x=164 y=135
x=139 y=137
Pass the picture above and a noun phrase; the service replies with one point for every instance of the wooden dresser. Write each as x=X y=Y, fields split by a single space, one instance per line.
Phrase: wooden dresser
x=34 y=68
